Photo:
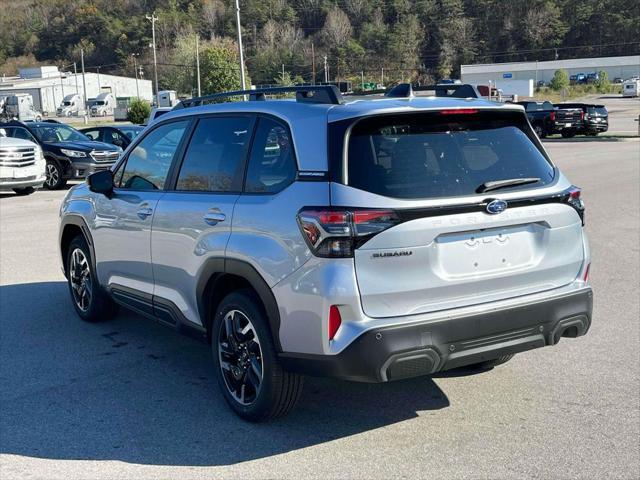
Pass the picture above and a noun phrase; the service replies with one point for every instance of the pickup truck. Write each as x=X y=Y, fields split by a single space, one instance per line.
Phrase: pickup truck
x=595 y=117
x=547 y=119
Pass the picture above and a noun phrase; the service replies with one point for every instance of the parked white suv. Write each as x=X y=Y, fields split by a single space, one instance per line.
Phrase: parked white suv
x=22 y=165
x=371 y=240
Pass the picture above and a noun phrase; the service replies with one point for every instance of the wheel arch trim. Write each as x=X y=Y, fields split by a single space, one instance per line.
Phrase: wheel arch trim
x=215 y=269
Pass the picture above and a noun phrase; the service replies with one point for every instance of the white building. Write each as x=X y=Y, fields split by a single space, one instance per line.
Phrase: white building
x=48 y=86
x=616 y=67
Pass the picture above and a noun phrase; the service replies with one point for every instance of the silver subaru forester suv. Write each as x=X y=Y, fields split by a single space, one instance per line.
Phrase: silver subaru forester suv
x=370 y=239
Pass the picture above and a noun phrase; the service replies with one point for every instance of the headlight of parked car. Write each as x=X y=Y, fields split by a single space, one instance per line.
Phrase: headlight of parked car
x=73 y=153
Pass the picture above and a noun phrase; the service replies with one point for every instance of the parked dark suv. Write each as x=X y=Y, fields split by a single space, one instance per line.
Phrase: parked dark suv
x=69 y=154
x=596 y=117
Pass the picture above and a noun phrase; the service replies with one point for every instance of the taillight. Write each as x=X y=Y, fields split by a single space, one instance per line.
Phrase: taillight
x=335 y=320
x=574 y=198
x=553 y=116
x=337 y=233
x=459 y=111
x=581 y=115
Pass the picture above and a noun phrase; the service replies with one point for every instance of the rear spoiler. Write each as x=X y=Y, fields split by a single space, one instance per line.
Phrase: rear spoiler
x=451 y=90
x=406 y=90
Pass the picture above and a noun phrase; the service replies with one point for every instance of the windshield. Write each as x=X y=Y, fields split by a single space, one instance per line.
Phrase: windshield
x=432 y=155
x=99 y=102
x=53 y=133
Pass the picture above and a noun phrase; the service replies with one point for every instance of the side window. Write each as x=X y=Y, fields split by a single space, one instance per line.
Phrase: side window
x=213 y=161
x=93 y=134
x=148 y=164
x=21 y=133
x=272 y=164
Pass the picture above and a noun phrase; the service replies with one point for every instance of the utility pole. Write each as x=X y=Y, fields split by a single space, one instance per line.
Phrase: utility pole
x=382 y=78
x=282 y=76
x=326 y=71
x=313 y=65
x=135 y=69
x=84 y=82
x=239 y=28
x=362 y=79
x=99 y=87
x=198 y=64
x=152 y=18
x=75 y=74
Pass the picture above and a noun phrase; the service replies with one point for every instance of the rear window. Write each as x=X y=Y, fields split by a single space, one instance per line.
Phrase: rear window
x=434 y=155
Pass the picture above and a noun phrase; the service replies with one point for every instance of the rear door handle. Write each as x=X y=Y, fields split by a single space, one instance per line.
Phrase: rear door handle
x=214 y=216
x=144 y=212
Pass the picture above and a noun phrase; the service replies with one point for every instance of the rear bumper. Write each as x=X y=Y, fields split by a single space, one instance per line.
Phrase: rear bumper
x=395 y=352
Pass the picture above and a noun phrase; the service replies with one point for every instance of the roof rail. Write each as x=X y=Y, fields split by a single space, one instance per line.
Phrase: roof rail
x=328 y=94
x=451 y=90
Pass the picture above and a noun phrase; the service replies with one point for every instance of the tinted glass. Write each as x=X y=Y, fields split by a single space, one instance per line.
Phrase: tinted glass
x=54 y=133
x=20 y=133
x=148 y=164
x=430 y=155
x=272 y=165
x=214 y=159
x=93 y=134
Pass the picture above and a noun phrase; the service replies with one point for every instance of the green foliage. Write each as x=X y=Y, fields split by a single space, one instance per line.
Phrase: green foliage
x=602 y=84
x=139 y=111
x=560 y=80
x=219 y=67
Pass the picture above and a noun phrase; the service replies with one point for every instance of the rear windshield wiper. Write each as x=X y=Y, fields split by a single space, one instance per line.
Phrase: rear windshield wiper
x=511 y=182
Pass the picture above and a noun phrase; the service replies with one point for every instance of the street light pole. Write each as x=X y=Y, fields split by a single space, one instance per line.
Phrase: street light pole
x=326 y=72
x=75 y=74
x=198 y=64
x=135 y=69
x=239 y=28
x=152 y=18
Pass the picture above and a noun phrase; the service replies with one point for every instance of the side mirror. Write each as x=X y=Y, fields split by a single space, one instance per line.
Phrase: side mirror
x=101 y=182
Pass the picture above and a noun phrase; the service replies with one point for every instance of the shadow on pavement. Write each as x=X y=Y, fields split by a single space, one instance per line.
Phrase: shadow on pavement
x=135 y=391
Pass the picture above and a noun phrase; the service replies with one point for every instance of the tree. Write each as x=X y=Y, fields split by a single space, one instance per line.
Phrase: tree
x=139 y=111
x=560 y=80
x=219 y=67
x=602 y=84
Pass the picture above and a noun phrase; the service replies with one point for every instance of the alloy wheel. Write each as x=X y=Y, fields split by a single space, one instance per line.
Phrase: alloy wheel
x=52 y=175
x=80 y=278
x=240 y=357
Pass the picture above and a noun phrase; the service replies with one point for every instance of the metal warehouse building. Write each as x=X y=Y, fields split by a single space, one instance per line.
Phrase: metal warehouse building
x=48 y=86
x=616 y=67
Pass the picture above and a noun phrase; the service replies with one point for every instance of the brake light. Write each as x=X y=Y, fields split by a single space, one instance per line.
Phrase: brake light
x=459 y=111
x=574 y=198
x=553 y=116
x=335 y=320
x=581 y=115
x=337 y=233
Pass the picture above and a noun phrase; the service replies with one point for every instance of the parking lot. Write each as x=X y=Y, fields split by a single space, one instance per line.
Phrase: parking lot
x=132 y=399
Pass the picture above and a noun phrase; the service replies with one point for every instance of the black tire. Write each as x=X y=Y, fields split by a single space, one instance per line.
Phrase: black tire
x=24 y=191
x=540 y=131
x=568 y=133
x=277 y=390
x=53 y=176
x=97 y=305
x=492 y=363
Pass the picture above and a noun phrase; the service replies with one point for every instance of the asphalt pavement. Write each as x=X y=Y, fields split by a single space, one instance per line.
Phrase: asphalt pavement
x=132 y=399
